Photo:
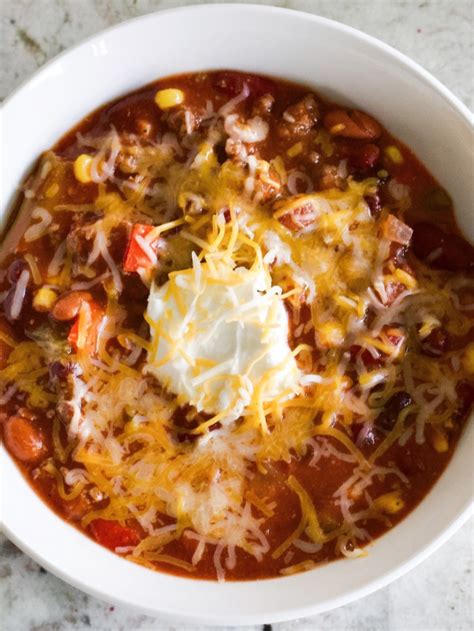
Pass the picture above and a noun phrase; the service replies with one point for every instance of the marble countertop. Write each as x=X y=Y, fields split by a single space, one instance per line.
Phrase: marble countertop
x=436 y=596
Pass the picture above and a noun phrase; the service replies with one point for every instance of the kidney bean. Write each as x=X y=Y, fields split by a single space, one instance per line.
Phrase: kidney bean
x=60 y=370
x=221 y=153
x=67 y=306
x=367 y=358
x=374 y=203
x=446 y=251
x=397 y=252
x=387 y=419
x=360 y=158
x=352 y=124
x=367 y=437
x=435 y=344
x=23 y=439
x=15 y=269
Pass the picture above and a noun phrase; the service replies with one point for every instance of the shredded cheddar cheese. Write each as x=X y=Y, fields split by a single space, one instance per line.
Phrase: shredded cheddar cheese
x=275 y=330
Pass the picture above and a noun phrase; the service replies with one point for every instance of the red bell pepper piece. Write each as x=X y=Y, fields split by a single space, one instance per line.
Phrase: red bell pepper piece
x=96 y=315
x=136 y=256
x=113 y=535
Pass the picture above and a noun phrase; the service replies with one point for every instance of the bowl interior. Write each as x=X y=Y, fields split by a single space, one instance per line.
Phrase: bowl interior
x=340 y=63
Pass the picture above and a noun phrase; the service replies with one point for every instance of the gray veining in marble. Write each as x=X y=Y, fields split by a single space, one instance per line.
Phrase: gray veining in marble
x=436 y=596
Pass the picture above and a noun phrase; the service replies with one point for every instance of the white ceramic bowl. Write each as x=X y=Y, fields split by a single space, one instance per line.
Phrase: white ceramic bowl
x=343 y=64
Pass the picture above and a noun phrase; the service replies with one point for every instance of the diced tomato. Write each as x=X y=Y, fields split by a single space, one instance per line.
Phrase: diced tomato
x=299 y=217
x=367 y=358
x=96 y=315
x=136 y=257
x=395 y=336
x=113 y=535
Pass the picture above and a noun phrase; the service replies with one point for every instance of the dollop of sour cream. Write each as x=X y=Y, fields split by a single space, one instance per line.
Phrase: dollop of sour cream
x=220 y=339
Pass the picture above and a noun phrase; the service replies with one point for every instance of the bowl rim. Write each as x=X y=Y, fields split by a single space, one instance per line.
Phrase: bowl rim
x=283 y=612
x=414 y=66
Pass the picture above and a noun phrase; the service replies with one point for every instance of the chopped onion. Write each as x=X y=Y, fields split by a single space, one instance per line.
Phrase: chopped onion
x=342 y=169
x=298 y=176
x=398 y=190
x=395 y=230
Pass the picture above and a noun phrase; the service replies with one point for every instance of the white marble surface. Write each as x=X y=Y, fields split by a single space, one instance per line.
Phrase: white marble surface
x=438 y=595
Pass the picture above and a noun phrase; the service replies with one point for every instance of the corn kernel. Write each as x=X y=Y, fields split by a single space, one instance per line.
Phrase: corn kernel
x=295 y=150
x=389 y=503
x=52 y=190
x=429 y=323
x=394 y=154
x=468 y=359
x=337 y=128
x=331 y=334
x=407 y=279
x=169 y=98
x=82 y=168
x=382 y=173
x=44 y=299
x=439 y=441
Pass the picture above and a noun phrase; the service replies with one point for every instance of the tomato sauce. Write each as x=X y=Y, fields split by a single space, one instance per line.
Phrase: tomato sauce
x=306 y=133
